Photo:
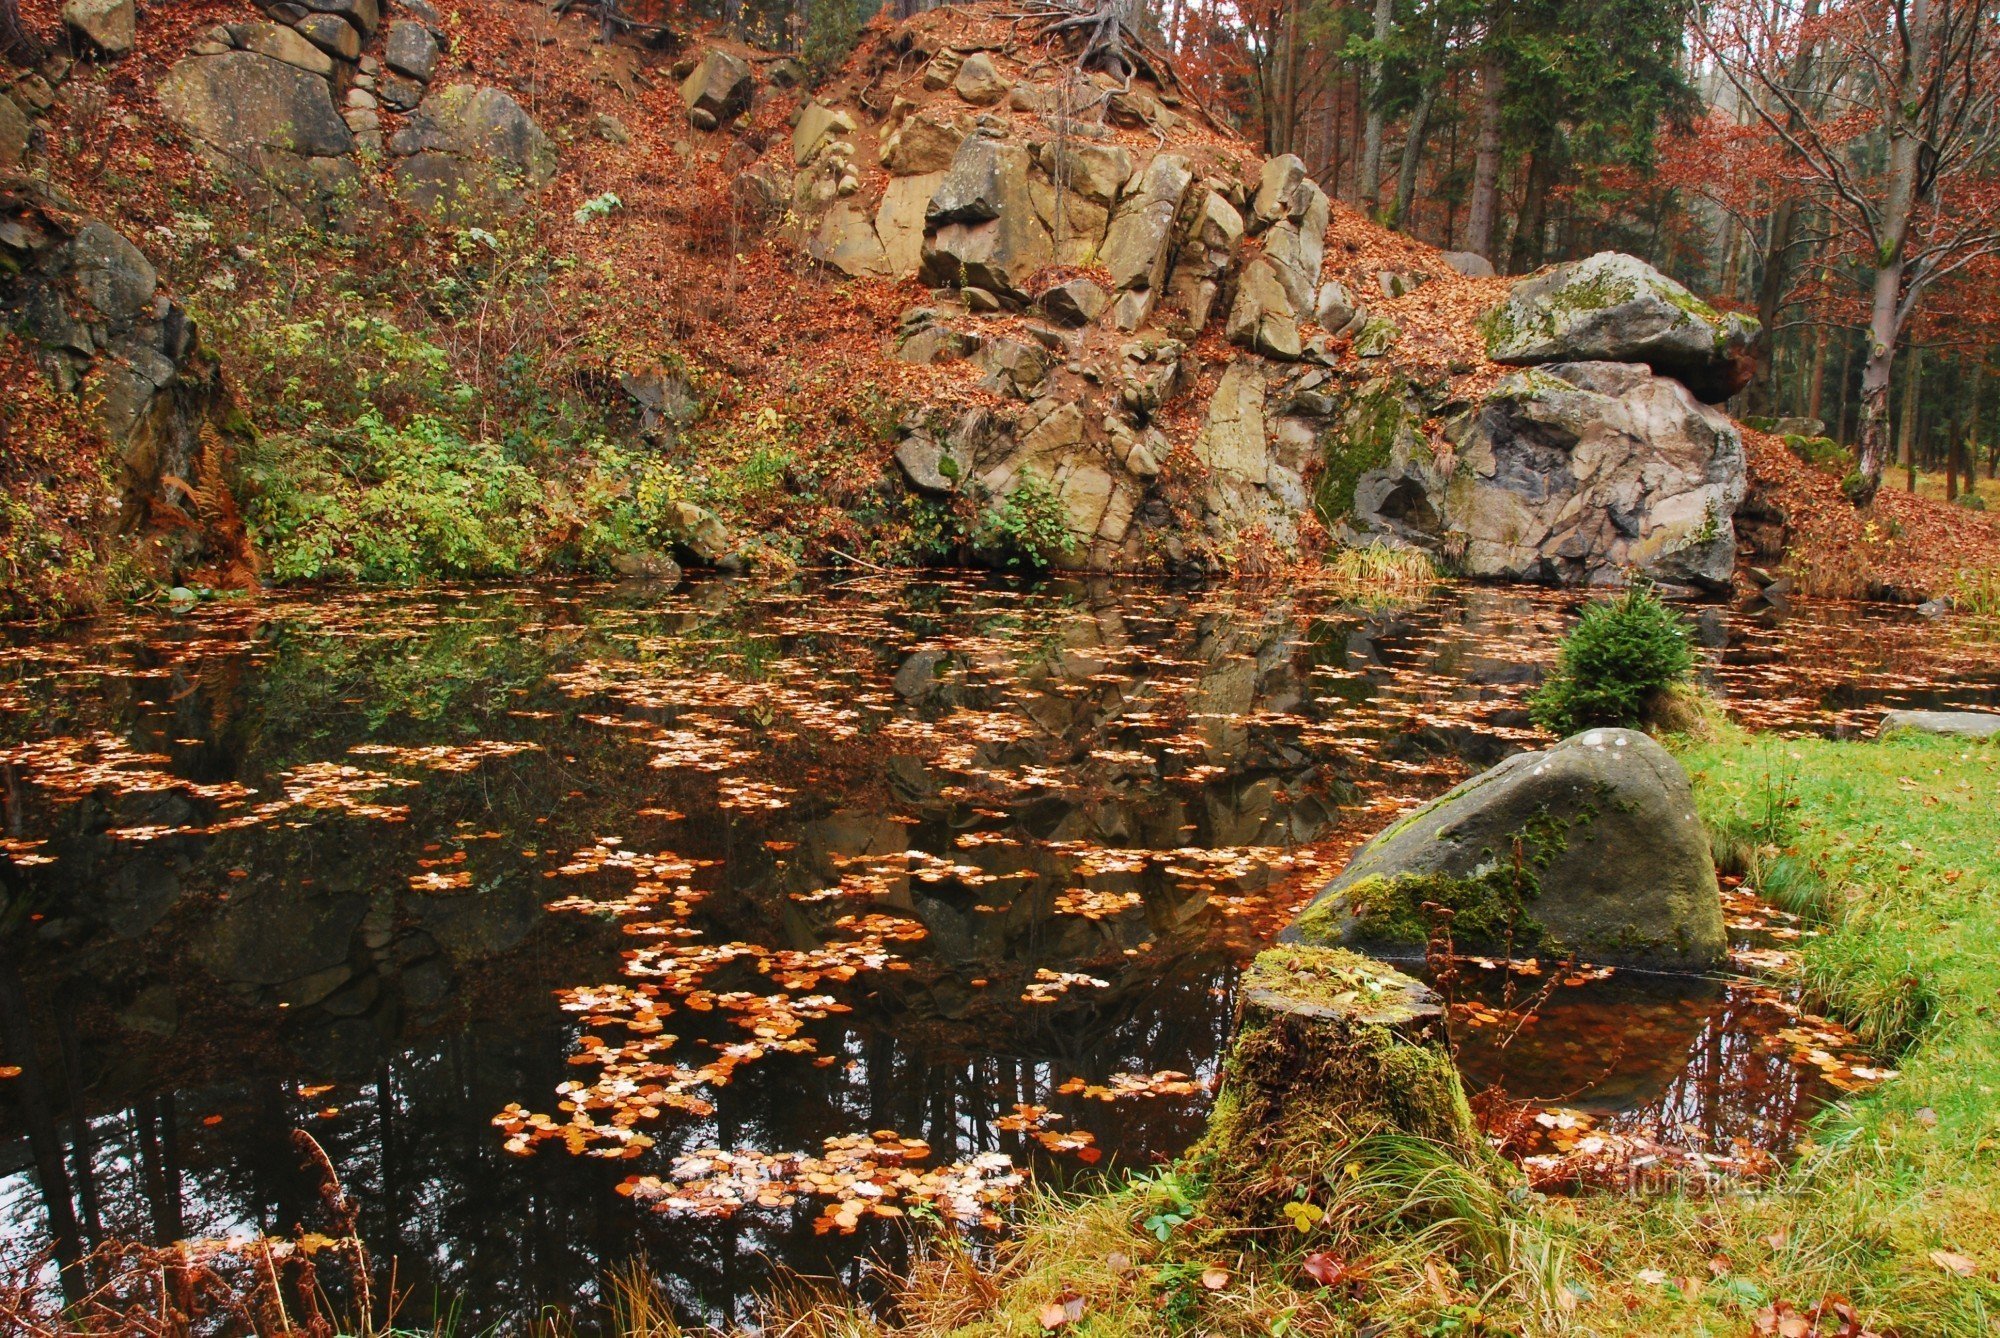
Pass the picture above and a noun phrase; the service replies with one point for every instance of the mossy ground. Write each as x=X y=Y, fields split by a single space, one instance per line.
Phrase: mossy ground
x=1890 y=846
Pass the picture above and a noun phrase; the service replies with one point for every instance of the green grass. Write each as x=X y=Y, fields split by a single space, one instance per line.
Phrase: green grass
x=1893 y=850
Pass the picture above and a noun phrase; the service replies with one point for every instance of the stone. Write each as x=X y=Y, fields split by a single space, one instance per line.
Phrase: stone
x=1279 y=186
x=1945 y=724
x=1575 y=474
x=846 y=240
x=818 y=125
x=362 y=121
x=786 y=73
x=1138 y=244
x=361 y=99
x=242 y=102
x=941 y=69
x=471 y=153
x=1395 y=283
x=424 y=12
x=1613 y=864
x=365 y=16
x=985 y=230
x=1013 y=368
x=1335 y=308
x=930 y=465
x=1613 y=307
x=1234 y=440
x=1073 y=302
x=899 y=222
x=281 y=43
x=980 y=302
x=647 y=566
x=922 y=144
x=1262 y=317
x=1207 y=254
x=1469 y=263
x=979 y=81
x=411 y=50
x=718 y=90
x=400 y=92
x=610 y=129
x=111 y=26
x=701 y=534
x=1135 y=108
x=1095 y=171
x=15 y=133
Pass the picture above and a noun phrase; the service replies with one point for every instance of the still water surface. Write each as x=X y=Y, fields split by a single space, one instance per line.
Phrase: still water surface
x=649 y=876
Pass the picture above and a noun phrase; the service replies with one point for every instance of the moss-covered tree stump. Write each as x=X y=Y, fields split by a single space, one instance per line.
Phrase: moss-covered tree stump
x=1332 y=1049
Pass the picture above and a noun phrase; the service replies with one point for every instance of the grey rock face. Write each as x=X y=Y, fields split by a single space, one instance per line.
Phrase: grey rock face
x=1573 y=474
x=472 y=153
x=364 y=15
x=718 y=91
x=241 y=103
x=281 y=43
x=15 y=132
x=1616 y=308
x=1614 y=864
x=1947 y=724
x=411 y=50
x=109 y=25
x=1076 y=302
x=331 y=34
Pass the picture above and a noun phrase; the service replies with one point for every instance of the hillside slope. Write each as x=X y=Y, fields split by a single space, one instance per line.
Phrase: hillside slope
x=524 y=313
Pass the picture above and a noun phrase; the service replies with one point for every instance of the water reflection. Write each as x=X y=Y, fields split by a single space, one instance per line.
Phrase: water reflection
x=291 y=866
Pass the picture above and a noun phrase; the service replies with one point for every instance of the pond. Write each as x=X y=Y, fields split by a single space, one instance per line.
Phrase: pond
x=735 y=926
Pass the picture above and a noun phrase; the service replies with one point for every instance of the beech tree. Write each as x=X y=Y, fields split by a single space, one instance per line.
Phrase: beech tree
x=1886 y=114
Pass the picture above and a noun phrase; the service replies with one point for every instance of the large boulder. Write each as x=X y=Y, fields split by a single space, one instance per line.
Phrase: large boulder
x=986 y=233
x=1616 y=308
x=1574 y=474
x=411 y=50
x=718 y=90
x=1139 y=242
x=1592 y=849
x=109 y=25
x=471 y=154
x=247 y=105
x=1263 y=318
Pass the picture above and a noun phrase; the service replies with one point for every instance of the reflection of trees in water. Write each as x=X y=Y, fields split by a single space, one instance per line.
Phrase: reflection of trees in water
x=1304 y=707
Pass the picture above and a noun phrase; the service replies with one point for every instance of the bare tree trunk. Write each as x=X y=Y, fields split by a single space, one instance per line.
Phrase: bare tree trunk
x=1486 y=164
x=1885 y=313
x=1815 y=396
x=1413 y=152
x=1906 y=434
x=1371 y=135
x=17 y=43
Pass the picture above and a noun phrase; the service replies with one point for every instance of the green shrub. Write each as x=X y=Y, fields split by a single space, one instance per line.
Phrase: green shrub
x=1821 y=453
x=1029 y=527
x=1620 y=656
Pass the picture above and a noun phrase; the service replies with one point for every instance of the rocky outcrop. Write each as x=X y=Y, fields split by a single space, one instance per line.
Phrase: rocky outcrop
x=1572 y=474
x=1617 y=308
x=91 y=307
x=1592 y=849
x=471 y=154
x=107 y=26
x=718 y=90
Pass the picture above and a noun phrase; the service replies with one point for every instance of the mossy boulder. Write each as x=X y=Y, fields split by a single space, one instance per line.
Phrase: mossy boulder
x=1591 y=849
x=1333 y=1049
x=1613 y=307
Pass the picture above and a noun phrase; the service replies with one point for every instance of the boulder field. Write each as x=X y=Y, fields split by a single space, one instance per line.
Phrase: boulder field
x=1172 y=349
x=1138 y=289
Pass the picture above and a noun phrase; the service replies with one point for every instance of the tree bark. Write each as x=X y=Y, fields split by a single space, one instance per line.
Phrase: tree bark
x=1371 y=135
x=1413 y=152
x=1885 y=312
x=1486 y=162
x=17 y=42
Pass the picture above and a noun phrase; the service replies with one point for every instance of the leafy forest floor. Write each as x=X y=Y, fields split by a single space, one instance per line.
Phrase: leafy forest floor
x=1889 y=1223
x=430 y=403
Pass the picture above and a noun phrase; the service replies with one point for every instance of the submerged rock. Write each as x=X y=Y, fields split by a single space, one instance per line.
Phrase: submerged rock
x=1591 y=849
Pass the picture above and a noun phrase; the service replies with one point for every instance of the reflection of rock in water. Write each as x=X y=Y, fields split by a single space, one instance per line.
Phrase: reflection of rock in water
x=1605 y=1046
